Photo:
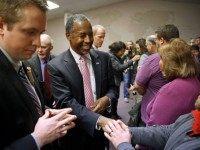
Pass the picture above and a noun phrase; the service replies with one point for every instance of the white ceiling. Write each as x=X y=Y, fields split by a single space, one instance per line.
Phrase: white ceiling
x=78 y=6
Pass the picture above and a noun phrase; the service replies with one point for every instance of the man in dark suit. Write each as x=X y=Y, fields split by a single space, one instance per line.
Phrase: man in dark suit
x=71 y=87
x=23 y=125
x=39 y=62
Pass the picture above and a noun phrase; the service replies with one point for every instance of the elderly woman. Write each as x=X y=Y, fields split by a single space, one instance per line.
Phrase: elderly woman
x=184 y=134
x=117 y=50
x=178 y=96
x=151 y=44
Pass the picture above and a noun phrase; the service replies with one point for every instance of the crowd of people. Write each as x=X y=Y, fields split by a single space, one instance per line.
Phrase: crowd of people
x=69 y=101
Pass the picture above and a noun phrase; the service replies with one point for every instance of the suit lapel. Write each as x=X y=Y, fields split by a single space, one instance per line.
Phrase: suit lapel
x=31 y=76
x=73 y=70
x=38 y=68
x=51 y=57
x=15 y=81
x=27 y=100
x=97 y=65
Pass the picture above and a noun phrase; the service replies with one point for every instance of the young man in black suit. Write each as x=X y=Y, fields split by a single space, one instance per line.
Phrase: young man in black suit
x=23 y=125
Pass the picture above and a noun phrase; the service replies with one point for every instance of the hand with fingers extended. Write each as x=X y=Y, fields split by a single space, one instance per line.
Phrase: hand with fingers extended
x=117 y=132
x=101 y=105
x=53 y=125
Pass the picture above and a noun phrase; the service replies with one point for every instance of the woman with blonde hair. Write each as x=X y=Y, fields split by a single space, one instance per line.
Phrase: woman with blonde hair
x=178 y=96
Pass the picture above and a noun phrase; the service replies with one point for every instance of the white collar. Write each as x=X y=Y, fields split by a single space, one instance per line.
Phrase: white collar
x=77 y=56
x=95 y=48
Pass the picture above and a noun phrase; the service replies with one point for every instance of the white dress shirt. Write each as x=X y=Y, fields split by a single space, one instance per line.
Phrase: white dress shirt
x=89 y=64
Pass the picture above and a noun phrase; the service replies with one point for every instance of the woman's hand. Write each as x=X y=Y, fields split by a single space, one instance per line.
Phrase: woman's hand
x=117 y=133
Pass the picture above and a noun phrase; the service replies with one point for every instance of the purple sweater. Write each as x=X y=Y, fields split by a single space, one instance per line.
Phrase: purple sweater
x=150 y=77
x=172 y=100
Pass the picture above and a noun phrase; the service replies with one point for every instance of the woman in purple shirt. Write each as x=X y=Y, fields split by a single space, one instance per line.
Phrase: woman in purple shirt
x=178 y=96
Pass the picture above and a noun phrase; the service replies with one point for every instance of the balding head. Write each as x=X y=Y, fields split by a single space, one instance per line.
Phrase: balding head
x=46 y=46
x=99 y=33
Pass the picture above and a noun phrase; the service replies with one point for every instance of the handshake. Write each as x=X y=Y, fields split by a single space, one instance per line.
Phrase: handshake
x=53 y=125
x=117 y=132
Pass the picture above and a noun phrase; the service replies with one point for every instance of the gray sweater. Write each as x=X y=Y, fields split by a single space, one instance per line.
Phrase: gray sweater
x=168 y=137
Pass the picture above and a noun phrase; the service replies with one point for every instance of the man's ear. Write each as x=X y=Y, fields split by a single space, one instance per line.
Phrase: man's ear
x=51 y=47
x=67 y=35
x=162 y=41
x=1 y=26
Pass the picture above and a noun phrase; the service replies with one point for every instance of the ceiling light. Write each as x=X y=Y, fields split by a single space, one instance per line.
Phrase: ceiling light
x=52 y=5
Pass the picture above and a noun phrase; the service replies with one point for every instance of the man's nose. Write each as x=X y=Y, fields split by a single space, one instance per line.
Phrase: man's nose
x=36 y=41
x=39 y=49
x=87 y=39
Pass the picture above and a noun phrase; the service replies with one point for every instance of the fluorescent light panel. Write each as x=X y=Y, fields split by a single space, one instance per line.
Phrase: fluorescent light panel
x=52 y=5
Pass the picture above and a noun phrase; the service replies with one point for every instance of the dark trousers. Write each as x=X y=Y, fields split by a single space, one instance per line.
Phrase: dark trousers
x=78 y=139
x=128 y=79
x=114 y=104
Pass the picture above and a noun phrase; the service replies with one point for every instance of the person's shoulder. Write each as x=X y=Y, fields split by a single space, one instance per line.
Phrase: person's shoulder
x=183 y=86
x=153 y=57
x=183 y=82
x=52 y=56
x=112 y=56
x=33 y=59
x=182 y=119
x=58 y=58
x=102 y=54
x=152 y=61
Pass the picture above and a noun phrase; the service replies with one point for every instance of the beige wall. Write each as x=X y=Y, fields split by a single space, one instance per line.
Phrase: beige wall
x=134 y=19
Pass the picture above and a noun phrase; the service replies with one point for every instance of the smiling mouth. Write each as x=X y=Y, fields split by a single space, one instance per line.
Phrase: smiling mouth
x=86 y=48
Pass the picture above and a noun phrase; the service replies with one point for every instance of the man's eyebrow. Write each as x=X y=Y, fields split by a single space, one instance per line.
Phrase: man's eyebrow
x=34 y=29
x=44 y=31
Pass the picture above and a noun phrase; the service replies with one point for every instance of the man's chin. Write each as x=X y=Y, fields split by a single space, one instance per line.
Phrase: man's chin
x=85 y=52
x=27 y=57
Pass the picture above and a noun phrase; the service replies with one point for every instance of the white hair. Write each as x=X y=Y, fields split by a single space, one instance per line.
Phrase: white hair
x=96 y=27
x=47 y=38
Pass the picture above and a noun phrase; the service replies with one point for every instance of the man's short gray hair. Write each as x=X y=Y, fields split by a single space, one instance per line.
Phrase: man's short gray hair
x=96 y=27
x=74 y=18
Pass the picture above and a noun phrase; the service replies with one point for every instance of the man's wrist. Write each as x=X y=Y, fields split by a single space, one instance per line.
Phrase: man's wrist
x=98 y=127
x=100 y=121
x=109 y=105
x=37 y=141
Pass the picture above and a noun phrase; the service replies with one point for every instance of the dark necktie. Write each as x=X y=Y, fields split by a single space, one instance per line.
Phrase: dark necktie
x=31 y=90
x=47 y=82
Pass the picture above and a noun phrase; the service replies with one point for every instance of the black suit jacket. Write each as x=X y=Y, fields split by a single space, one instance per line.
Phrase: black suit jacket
x=67 y=86
x=18 y=115
x=35 y=64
